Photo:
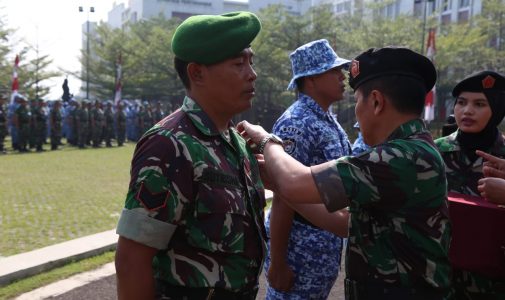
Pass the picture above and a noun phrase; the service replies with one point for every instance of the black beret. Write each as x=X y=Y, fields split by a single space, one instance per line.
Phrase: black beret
x=208 y=39
x=376 y=62
x=480 y=82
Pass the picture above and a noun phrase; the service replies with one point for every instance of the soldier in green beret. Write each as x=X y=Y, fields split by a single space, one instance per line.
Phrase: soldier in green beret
x=192 y=226
x=399 y=229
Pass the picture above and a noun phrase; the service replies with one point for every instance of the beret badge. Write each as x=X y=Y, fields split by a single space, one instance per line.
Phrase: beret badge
x=354 y=68
x=488 y=82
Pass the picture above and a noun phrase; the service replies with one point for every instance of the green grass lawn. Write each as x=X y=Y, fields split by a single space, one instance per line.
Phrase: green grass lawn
x=54 y=196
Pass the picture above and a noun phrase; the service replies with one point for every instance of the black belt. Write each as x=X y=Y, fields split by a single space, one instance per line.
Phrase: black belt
x=355 y=290
x=166 y=291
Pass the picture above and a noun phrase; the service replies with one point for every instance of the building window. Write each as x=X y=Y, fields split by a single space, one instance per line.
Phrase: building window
x=463 y=16
x=446 y=19
x=464 y=3
x=446 y=5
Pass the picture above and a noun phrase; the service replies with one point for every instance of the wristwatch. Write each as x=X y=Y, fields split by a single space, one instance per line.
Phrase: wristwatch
x=269 y=138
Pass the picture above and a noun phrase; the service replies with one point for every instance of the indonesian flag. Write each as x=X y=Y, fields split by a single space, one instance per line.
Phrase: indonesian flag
x=117 y=95
x=15 y=83
x=431 y=97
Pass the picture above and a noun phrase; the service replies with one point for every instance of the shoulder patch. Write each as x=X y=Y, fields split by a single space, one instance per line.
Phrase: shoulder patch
x=289 y=146
x=151 y=201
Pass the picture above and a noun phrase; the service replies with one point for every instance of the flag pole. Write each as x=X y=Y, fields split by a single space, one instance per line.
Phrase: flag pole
x=15 y=82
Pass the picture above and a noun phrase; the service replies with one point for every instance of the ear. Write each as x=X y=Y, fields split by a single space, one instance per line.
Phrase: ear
x=379 y=101
x=195 y=73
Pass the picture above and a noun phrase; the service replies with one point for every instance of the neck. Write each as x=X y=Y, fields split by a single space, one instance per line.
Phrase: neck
x=220 y=118
x=384 y=129
x=323 y=103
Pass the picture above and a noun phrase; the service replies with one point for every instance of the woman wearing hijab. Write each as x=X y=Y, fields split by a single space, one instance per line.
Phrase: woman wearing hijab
x=478 y=109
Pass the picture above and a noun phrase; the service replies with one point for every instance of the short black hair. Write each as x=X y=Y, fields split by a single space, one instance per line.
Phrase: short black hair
x=181 y=67
x=407 y=94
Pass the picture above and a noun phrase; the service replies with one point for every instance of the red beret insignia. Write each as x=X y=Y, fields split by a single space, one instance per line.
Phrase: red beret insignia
x=488 y=82
x=354 y=68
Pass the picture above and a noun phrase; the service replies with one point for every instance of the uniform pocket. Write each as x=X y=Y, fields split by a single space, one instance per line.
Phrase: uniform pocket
x=220 y=214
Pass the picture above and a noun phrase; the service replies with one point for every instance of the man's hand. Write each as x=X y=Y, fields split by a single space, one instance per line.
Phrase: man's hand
x=493 y=189
x=253 y=134
x=281 y=277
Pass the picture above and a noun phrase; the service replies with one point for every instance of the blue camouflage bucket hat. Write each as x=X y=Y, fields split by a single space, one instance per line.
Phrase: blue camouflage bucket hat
x=314 y=58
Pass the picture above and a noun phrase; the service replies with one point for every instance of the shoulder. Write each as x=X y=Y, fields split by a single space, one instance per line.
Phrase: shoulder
x=447 y=143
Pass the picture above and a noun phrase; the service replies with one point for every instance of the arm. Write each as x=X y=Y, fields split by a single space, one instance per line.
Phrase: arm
x=280 y=275
x=335 y=222
x=282 y=168
x=133 y=270
x=493 y=189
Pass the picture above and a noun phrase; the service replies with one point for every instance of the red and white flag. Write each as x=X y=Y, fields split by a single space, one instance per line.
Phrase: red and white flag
x=117 y=95
x=15 y=82
x=431 y=96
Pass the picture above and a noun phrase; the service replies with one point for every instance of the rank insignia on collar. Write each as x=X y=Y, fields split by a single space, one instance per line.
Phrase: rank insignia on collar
x=354 y=68
x=488 y=82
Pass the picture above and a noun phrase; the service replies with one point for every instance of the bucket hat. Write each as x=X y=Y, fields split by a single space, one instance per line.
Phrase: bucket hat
x=314 y=58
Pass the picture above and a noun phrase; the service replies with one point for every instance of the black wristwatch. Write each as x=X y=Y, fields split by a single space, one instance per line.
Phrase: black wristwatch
x=269 y=138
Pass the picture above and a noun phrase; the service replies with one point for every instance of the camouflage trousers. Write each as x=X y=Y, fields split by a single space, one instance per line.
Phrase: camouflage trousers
x=314 y=256
x=473 y=286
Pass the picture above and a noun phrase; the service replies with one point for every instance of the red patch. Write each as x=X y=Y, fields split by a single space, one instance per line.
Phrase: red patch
x=354 y=68
x=488 y=82
x=151 y=201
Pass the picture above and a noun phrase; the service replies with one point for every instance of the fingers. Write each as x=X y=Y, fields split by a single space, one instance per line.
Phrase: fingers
x=492 y=172
x=489 y=157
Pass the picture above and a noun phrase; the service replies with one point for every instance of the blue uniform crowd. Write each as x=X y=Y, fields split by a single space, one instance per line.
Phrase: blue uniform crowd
x=33 y=124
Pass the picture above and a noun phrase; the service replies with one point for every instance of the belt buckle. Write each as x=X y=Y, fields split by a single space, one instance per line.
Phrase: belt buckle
x=210 y=294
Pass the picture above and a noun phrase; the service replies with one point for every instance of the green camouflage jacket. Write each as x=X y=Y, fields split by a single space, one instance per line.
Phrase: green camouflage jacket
x=462 y=174
x=195 y=194
x=463 y=177
x=399 y=229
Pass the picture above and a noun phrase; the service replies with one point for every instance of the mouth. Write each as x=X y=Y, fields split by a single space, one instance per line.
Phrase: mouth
x=467 y=122
x=251 y=91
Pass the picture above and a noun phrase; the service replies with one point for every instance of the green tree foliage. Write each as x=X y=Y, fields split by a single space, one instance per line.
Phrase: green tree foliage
x=147 y=59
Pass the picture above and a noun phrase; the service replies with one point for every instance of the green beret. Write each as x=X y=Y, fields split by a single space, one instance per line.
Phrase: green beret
x=208 y=39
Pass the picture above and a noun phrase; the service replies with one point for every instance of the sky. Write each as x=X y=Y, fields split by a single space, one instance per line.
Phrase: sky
x=56 y=27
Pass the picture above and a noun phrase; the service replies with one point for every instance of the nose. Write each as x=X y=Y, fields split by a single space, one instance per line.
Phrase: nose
x=251 y=73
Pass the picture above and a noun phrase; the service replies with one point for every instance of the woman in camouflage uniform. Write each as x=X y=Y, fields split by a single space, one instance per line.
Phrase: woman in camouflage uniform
x=479 y=108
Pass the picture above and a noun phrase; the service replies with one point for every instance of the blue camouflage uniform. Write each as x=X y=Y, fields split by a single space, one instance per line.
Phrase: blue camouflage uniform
x=359 y=145
x=312 y=136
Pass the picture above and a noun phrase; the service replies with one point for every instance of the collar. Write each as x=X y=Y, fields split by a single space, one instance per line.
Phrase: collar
x=312 y=105
x=407 y=129
x=199 y=118
x=451 y=144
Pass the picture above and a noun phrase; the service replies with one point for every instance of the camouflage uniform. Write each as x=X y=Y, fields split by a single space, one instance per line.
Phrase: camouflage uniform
x=97 y=125
x=121 y=126
x=109 y=125
x=462 y=177
x=399 y=230
x=311 y=136
x=24 y=116
x=3 y=127
x=39 y=127
x=83 y=121
x=56 y=128
x=196 y=195
x=359 y=145
x=73 y=122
